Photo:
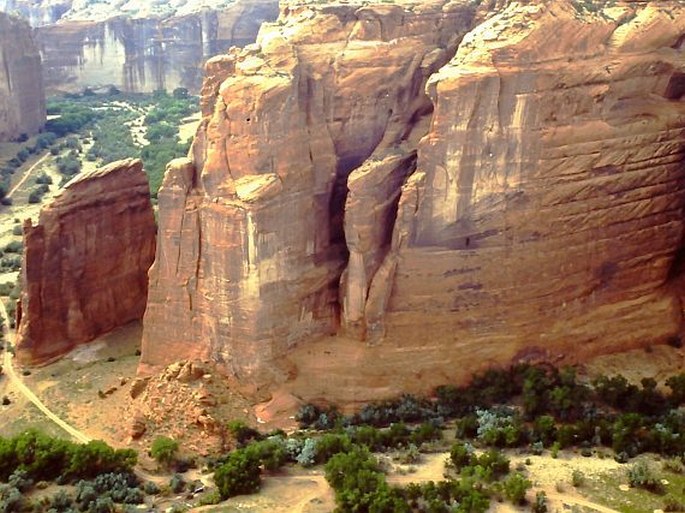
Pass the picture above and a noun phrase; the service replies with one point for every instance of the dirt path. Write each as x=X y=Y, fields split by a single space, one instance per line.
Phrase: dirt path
x=16 y=381
x=579 y=502
x=27 y=175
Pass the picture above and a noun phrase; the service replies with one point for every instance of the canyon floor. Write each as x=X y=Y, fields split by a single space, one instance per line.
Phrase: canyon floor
x=89 y=388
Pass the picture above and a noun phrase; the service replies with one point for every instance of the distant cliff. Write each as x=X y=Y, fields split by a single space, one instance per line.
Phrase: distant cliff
x=22 y=97
x=140 y=50
x=452 y=190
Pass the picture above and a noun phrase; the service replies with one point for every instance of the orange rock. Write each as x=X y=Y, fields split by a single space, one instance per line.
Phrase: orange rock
x=251 y=230
x=85 y=263
x=458 y=203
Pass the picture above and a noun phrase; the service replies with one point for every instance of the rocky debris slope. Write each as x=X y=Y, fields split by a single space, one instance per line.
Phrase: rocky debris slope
x=22 y=98
x=187 y=401
x=85 y=263
x=539 y=216
x=139 y=51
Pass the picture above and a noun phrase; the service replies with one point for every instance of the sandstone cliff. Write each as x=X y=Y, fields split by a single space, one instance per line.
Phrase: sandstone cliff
x=143 y=54
x=85 y=263
x=539 y=215
x=22 y=98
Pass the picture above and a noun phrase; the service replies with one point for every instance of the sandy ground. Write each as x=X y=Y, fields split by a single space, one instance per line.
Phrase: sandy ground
x=189 y=126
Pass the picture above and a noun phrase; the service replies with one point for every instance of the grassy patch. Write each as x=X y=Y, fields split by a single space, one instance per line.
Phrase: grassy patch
x=604 y=489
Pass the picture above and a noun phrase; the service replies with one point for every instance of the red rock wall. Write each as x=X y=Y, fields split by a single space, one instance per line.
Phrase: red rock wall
x=259 y=270
x=85 y=263
x=546 y=211
x=539 y=215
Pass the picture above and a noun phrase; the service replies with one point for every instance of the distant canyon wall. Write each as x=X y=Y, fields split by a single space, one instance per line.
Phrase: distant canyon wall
x=365 y=172
x=148 y=53
x=22 y=97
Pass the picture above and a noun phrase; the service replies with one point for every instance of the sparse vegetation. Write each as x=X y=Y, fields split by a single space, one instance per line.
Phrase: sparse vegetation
x=164 y=450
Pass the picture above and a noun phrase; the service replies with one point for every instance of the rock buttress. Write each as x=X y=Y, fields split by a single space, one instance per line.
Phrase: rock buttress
x=85 y=263
x=252 y=241
x=22 y=98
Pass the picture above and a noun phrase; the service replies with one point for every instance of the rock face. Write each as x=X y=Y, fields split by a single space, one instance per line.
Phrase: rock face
x=143 y=54
x=22 y=98
x=85 y=263
x=539 y=216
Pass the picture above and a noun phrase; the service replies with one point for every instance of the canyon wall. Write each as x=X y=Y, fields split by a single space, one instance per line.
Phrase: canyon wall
x=437 y=204
x=143 y=54
x=84 y=270
x=22 y=98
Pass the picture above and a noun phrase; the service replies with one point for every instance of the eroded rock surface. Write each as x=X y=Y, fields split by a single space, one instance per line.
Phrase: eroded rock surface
x=539 y=216
x=252 y=238
x=22 y=97
x=545 y=214
x=85 y=263
x=144 y=52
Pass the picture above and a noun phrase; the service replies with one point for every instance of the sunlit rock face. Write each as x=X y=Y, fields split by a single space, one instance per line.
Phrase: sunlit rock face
x=252 y=239
x=22 y=98
x=136 y=46
x=447 y=189
x=545 y=214
x=85 y=264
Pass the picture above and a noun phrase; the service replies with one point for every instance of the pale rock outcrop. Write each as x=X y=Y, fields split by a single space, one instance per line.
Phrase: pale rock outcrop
x=22 y=97
x=540 y=215
x=85 y=264
x=143 y=52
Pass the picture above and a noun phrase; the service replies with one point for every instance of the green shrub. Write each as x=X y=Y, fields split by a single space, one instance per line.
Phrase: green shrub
x=238 y=475
x=540 y=504
x=577 y=478
x=515 y=488
x=164 y=450
x=641 y=475
x=14 y=247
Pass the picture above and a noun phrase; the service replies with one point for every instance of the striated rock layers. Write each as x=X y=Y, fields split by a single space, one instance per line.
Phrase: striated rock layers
x=539 y=216
x=143 y=54
x=22 y=98
x=85 y=263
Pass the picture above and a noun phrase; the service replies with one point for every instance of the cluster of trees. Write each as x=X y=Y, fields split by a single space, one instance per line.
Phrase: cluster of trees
x=42 y=141
x=162 y=132
x=73 y=116
x=557 y=409
x=45 y=458
x=112 y=139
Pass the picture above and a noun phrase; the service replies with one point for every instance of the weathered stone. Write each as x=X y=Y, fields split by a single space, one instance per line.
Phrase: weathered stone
x=546 y=211
x=138 y=426
x=84 y=270
x=252 y=244
x=87 y=50
x=539 y=216
x=22 y=97
x=138 y=387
